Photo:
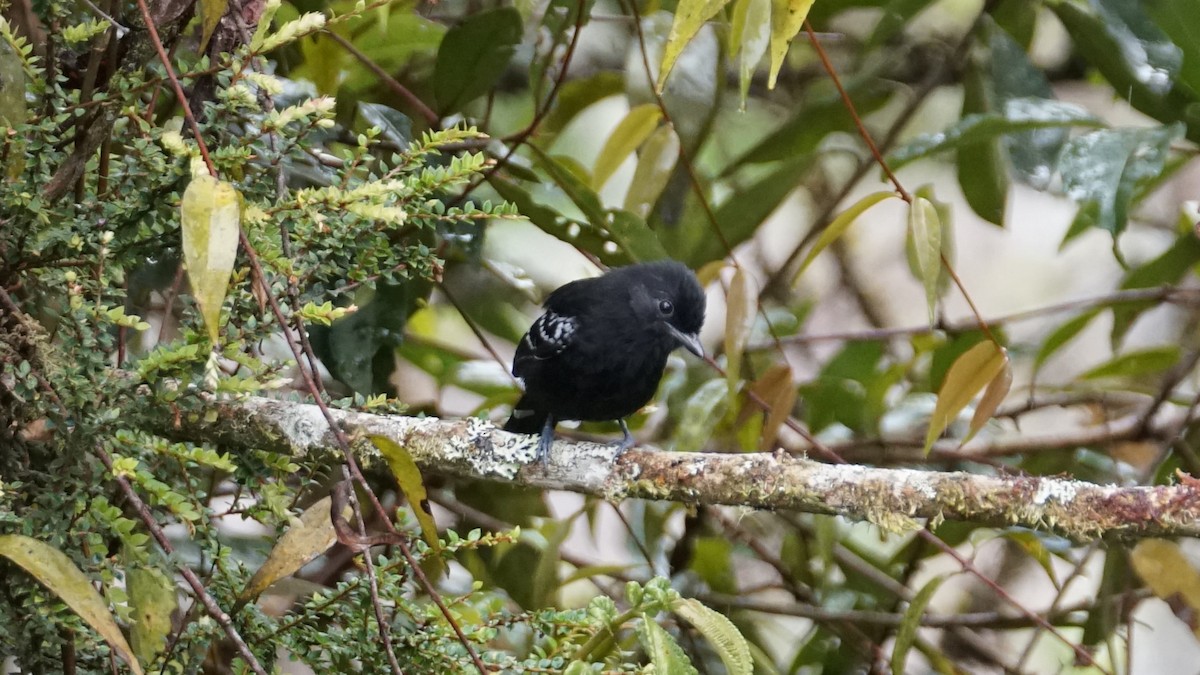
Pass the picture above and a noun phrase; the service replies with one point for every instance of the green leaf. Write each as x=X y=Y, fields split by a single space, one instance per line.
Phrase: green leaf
x=752 y=28
x=787 y=18
x=1132 y=53
x=969 y=374
x=1136 y=363
x=359 y=349
x=580 y=233
x=894 y=17
x=473 y=55
x=665 y=654
x=655 y=162
x=394 y=125
x=1181 y=22
x=982 y=166
x=634 y=237
x=574 y=96
x=152 y=600
x=1168 y=268
x=838 y=227
x=1102 y=170
x=628 y=135
x=54 y=570
x=1061 y=336
x=925 y=228
x=309 y=536
x=720 y=632
x=906 y=634
x=211 y=215
x=1018 y=115
x=703 y=410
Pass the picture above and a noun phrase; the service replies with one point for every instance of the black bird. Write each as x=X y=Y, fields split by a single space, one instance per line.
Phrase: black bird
x=599 y=349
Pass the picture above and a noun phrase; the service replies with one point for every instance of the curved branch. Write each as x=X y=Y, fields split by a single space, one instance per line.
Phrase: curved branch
x=891 y=498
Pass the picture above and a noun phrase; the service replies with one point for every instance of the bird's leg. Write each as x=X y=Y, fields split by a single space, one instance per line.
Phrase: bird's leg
x=626 y=442
x=547 y=440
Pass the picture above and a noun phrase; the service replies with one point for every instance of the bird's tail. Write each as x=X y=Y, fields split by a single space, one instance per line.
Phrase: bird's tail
x=526 y=420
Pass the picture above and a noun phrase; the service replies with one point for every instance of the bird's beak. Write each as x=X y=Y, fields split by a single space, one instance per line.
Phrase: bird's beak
x=689 y=341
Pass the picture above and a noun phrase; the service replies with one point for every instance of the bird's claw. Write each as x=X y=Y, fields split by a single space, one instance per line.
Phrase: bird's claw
x=625 y=443
x=546 y=442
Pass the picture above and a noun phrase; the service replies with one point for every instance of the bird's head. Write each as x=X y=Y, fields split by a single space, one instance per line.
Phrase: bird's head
x=667 y=296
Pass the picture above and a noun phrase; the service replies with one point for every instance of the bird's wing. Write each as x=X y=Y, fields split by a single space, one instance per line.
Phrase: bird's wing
x=547 y=338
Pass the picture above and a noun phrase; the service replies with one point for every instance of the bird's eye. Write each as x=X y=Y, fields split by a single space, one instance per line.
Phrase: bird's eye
x=666 y=308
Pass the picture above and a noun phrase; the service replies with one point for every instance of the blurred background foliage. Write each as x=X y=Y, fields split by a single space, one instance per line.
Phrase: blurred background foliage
x=1055 y=138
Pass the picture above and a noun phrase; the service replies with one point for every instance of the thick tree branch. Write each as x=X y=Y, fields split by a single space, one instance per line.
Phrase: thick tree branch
x=891 y=498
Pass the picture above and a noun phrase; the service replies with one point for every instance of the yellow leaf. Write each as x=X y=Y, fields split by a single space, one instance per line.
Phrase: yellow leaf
x=787 y=17
x=968 y=375
x=1168 y=573
x=993 y=396
x=409 y=477
x=925 y=228
x=742 y=307
x=839 y=226
x=777 y=388
x=690 y=16
x=211 y=216
x=625 y=138
x=311 y=535
x=54 y=570
x=211 y=12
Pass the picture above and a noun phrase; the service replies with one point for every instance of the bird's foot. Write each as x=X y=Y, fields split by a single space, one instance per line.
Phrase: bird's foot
x=546 y=442
x=625 y=443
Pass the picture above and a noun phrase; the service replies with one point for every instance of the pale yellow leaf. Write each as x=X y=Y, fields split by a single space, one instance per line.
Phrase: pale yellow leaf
x=309 y=536
x=992 y=397
x=925 y=227
x=787 y=17
x=211 y=216
x=741 y=309
x=635 y=128
x=690 y=16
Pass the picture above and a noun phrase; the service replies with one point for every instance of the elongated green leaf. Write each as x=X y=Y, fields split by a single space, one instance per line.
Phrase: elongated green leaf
x=838 y=227
x=655 y=161
x=906 y=634
x=893 y=19
x=634 y=236
x=1136 y=363
x=309 y=536
x=574 y=96
x=1168 y=268
x=152 y=598
x=982 y=166
x=967 y=376
x=1018 y=115
x=754 y=35
x=741 y=309
x=925 y=227
x=54 y=570
x=473 y=55
x=701 y=414
x=1181 y=22
x=1102 y=171
x=580 y=233
x=629 y=134
x=408 y=476
x=211 y=214
x=1033 y=543
x=665 y=654
x=1061 y=336
x=720 y=632
x=211 y=12
x=690 y=16
x=787 y=18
